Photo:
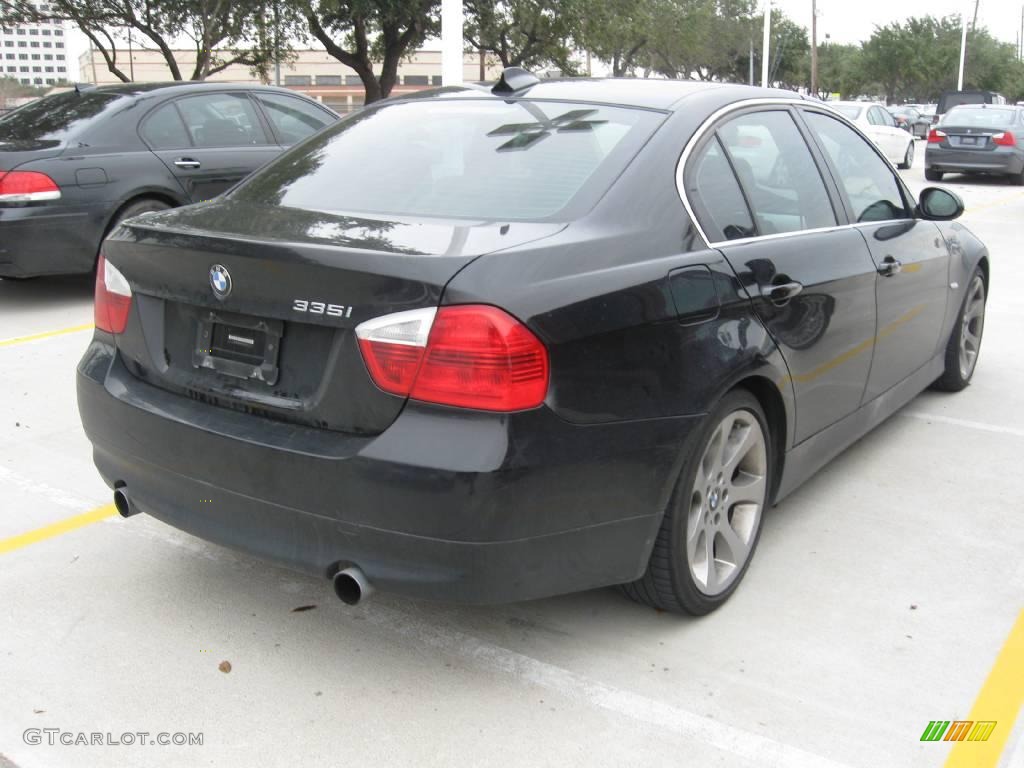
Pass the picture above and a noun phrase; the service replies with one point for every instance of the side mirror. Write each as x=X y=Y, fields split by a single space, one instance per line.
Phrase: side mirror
x=938 y=204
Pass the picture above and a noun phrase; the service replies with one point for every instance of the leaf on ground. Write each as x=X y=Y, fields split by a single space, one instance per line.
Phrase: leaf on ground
x=225 y=667
x=302 y=608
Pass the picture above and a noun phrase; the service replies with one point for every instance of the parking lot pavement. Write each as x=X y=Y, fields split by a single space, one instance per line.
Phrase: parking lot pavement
x=880 y=599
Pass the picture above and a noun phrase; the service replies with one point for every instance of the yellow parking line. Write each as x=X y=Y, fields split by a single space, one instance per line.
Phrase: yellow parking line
x=46 y=335
x=56 y=529
x=1000 y=700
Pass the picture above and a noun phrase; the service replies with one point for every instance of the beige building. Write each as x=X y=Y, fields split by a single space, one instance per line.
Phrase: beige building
x=313 y=72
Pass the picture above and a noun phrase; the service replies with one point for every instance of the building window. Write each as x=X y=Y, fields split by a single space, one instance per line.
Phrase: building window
x=58 y=32
x=61 y=69
x=21 y=31
x=435 y=80
x=50 y=81
x=34 y=44
x=9 y=43
x=49 y=69
x=33 y=31
x=417 y=80
x=328 y=79
x=23 y=56
x=59 y=45
x=22 y=44
x=298 y=80
x=60 y=57
x=46 y=33
x=353 y=80
x=37 y=69
x=47 y=44
x=48 y=56
x=35 y=57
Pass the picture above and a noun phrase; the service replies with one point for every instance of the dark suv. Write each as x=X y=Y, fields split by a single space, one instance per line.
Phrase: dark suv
x=75 y=164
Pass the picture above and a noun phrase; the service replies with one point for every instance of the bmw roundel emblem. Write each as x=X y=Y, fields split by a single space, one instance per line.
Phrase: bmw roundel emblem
x=220 y=281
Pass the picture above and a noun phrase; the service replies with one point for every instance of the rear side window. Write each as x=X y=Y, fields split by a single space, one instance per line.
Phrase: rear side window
x=716 y=195
x=221 y=120
x=777 y=171
x=293 y=119
x=164 y=130
x=868 y=180
x=57 y=117
x=458 y=158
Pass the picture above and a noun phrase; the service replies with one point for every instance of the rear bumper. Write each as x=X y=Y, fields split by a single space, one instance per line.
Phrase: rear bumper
x=466 y=507
x=1001 y=160
x=49 y=239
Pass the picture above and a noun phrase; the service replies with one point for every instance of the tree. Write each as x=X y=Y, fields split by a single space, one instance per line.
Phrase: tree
x=840 y=70
x=618 y=31
x=359 y=32
x=525 y=33
x=223 y=32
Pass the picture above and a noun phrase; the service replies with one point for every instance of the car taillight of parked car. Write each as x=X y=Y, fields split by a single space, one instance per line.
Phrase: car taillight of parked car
x=935 y=136
x=467 y=356
x=1004 y=139
x=27 y=187
x=113 y=298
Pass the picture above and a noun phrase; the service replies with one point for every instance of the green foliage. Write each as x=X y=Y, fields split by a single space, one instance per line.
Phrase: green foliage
x=525 y=33
x=222 y=32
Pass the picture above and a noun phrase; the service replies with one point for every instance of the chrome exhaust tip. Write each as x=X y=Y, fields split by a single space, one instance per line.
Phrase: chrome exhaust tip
x=124 y=505
x=351 y=585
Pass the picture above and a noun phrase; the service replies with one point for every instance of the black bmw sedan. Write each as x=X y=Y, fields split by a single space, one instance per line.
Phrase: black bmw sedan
x=494 y=344
x=74 y=165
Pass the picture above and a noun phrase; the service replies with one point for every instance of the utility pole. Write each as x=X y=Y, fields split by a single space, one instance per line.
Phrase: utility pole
x=765 y=42
x=131 y=56
x=750 y=74
x=814 y=48
x=277 y=45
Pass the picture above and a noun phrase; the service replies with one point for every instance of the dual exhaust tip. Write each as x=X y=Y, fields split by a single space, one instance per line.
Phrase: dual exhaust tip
x=350 y=584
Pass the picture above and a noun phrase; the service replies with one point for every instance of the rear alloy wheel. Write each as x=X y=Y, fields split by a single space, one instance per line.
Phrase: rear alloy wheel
x=711 y=529
x=931 y=175
x=965 y=340
x=908 y=157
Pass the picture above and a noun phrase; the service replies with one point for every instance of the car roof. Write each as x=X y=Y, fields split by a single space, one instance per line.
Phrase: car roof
x=182 y=86
x=646 y=93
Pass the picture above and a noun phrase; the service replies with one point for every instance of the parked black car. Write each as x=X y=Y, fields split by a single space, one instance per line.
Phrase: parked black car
x=74 y=164
x=911 y=120
x=977 y=139
x=554 y=336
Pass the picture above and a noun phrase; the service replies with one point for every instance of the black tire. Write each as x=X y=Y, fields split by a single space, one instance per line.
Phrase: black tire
x=931 y=175
x=145 y=205
x=668 y=583
x=908 y=157
x=953 y=378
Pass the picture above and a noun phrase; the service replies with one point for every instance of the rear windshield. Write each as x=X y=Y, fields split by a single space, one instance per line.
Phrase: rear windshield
x=55 y=117
x=984 y=117
x=848 y=110
x=472 y=158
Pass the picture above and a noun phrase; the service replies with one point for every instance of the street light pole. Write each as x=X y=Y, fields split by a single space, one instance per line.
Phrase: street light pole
x=765 y=42
x=451 y=42
x=814 y=48
x=963 y=51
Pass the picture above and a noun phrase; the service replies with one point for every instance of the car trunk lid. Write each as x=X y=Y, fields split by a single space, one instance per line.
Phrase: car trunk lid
x=280 y=342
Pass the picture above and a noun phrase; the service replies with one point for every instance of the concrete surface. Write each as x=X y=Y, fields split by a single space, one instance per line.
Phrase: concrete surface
x=879 y=598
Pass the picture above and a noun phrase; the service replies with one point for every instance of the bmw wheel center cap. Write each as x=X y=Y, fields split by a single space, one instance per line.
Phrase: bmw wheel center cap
x=220 y=281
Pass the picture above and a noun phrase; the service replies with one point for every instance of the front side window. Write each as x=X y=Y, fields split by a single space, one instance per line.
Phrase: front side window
x=777 y=171
x=221 y=120
x=869 y=182
x=292 y=118
x=458 y=158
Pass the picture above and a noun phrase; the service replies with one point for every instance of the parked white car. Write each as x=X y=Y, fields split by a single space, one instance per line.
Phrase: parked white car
x=874 y=119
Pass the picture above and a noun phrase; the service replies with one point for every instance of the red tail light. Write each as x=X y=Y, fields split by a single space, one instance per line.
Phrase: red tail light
x=935 y=136
x=1004 y=139
x=113 y=298
x=27 y=187
x=468 y=356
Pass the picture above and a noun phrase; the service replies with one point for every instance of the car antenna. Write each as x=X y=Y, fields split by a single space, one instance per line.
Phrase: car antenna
x=514 y=79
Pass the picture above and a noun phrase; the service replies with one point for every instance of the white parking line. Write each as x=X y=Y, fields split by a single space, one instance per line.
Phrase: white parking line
x=998 y=429
x=760 y=750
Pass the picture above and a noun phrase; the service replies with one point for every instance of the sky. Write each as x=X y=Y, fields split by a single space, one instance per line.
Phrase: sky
x=846 y=21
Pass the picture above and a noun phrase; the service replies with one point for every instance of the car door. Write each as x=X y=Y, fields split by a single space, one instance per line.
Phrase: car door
x=909 y=254
x=216 y=141
x=291 y=118
x=811 y=280
x=895 y=138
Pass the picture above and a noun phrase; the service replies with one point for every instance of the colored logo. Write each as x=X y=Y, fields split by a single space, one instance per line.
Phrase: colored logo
x=220 y=281
x=958 y=730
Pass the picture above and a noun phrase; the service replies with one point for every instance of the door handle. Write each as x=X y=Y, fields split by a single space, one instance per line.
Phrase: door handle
x=890 y=266
x=187 y=162
x=781 y=293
